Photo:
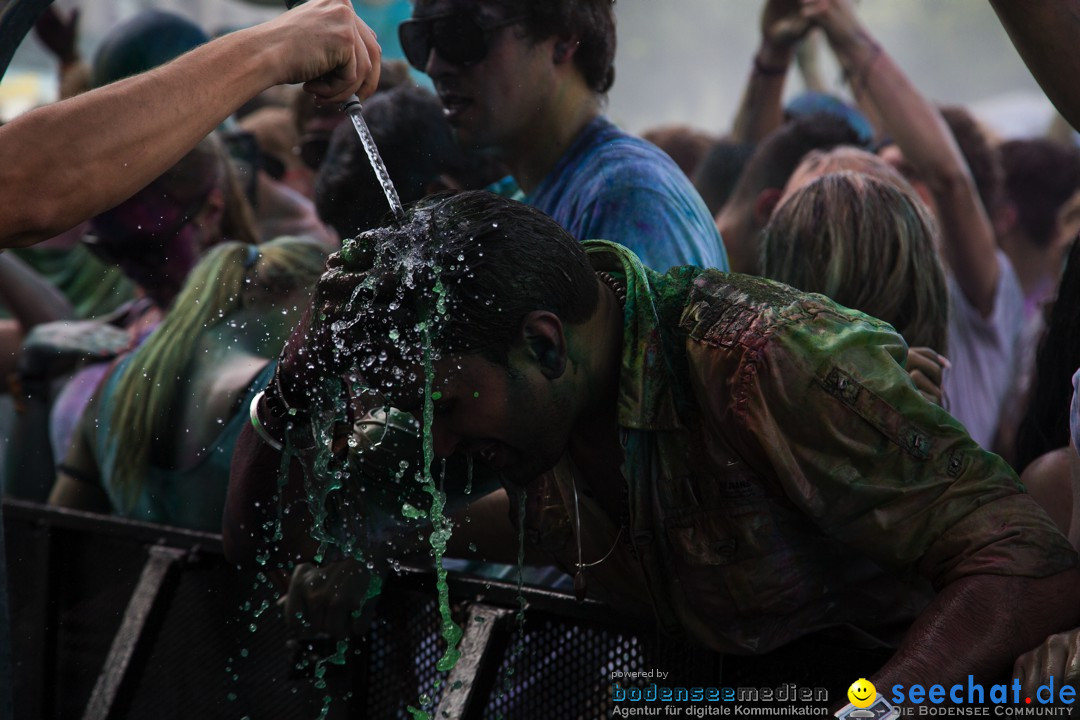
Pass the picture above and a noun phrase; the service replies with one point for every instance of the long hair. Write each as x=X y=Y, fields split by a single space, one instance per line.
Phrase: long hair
x=868 y=245
x=145 y=398
x=1045 y=426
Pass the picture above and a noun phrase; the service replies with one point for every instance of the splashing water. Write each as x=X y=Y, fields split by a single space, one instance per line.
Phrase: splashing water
x=353 y=108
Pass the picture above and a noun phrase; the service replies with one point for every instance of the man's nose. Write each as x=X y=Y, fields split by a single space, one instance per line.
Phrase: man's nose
x=436 y=66
x=444 y=441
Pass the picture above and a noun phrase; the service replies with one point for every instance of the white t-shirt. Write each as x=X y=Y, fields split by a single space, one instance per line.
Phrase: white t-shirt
x=984 y=353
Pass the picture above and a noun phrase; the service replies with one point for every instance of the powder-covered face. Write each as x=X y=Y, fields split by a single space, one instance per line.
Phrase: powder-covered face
x=507 y=418
x=152 y=239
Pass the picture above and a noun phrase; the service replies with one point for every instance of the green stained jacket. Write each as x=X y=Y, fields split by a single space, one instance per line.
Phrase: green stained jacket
x=783 y=473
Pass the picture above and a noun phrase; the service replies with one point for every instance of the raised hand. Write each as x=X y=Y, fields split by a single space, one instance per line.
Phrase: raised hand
x=59 y=32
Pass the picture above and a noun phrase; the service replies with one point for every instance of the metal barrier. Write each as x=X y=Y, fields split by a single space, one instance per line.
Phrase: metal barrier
x=114 y=618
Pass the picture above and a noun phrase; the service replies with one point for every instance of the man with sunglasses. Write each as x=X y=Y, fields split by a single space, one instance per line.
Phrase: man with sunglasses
x=526 y=80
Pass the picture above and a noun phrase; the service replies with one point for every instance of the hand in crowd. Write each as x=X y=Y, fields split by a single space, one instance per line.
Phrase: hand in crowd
x=324 y=45
x=328 y=599
x=59 y=32
x=925 y=367
x=836 y=17
x=1057 y=658
x=782 y=25
x=311 y=352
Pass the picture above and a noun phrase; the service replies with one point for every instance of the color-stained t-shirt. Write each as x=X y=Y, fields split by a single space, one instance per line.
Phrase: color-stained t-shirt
x=192 y=497
x=613 y=186
x=783 y=473
x=984 y=352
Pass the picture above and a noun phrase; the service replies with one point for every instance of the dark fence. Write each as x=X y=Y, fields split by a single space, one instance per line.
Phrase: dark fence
x=116 y=619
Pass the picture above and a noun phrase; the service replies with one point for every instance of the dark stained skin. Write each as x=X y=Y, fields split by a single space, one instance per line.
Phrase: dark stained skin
x=1044 y=33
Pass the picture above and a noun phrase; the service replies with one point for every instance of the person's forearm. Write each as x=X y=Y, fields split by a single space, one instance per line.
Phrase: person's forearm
x=94 y=150
x=928 y=145
x=31 y=299
x=65 y=163
x=761 y=109
x=979 y=625
x=256 y=500
x=1044 y=33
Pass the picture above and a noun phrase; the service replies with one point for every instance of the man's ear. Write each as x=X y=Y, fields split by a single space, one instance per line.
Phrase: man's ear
x=764 y=204
x=564 y=49
x=544 y=341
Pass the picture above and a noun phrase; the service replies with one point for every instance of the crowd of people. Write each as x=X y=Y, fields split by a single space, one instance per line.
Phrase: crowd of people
x=814 y=373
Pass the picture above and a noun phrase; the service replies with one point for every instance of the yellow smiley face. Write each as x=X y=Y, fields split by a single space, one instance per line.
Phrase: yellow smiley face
x=862 y=693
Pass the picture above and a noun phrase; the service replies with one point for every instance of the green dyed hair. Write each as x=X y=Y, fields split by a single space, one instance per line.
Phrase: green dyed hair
x=145 y=399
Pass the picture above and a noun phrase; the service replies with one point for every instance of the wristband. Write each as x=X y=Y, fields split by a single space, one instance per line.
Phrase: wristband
x=768 y=70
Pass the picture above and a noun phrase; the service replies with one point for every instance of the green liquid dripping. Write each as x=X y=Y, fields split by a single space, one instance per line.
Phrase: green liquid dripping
x=441 y=525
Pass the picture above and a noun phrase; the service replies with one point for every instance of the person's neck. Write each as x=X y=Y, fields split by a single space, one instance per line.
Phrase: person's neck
x=594 y=443
x=739 y=239
x=540 y=147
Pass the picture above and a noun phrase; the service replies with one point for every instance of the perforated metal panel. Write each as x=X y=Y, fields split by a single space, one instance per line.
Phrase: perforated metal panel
x=71 y=582
x=403 y=647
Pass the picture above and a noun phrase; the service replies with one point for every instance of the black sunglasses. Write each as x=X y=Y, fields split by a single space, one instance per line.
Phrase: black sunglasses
x=460 y=38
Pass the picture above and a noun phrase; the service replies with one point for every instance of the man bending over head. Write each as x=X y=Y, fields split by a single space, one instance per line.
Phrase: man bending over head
x=750 y=463
x=527 y=80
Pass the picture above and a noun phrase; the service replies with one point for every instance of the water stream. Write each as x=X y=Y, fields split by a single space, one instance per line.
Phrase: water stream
x=353 y=109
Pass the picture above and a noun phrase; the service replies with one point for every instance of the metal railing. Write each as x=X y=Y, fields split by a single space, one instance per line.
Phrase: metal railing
x=115 y=618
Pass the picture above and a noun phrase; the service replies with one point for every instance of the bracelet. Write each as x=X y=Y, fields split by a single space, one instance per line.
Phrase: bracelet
x=292 y=424
x=768 y=70
x=258 y=427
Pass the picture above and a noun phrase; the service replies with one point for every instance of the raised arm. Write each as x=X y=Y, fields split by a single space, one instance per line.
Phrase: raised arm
x=1044 y=33
x=92 y=151
x=31 y=299
x=761 y=112
x=926 y=142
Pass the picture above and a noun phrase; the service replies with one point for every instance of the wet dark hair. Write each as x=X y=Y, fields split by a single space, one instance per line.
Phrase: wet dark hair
x=416 y=144
x=1040 y=176
x=776 y=158
x=1045 y=426
x=465 y=268
x=590 y=22
x=979 y=153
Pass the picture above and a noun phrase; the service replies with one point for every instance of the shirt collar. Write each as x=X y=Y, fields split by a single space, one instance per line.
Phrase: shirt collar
x=652 y=388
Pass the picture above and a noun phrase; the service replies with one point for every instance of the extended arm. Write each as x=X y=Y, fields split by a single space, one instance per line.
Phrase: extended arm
x=761 y=112
x=78 y=479
x=1044 y=33
x=927 y=143
x=31 y=299
x=976 y=624
x=69 y=161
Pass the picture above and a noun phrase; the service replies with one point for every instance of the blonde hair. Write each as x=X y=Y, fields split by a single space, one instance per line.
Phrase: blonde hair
x=866 y=243
x=145 y=396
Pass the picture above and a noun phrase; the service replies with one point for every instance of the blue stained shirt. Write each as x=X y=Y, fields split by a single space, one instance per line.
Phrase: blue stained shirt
x=613 y=186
